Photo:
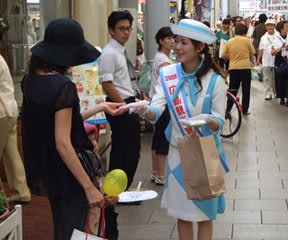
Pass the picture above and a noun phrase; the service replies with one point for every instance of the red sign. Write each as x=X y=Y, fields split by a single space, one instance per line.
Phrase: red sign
x=141 y=1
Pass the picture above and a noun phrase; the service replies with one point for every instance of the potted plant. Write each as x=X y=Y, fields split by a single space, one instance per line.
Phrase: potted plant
x=3 y=205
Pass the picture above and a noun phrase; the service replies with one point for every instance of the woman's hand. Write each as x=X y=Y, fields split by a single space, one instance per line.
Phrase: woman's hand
x=112 y=108
x=111 y=200
x=95 y=197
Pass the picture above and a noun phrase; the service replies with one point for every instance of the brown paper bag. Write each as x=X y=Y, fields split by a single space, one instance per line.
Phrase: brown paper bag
x=202 y=170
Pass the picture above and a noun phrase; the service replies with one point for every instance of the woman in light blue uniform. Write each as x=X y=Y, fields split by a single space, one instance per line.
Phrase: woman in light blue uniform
x=194 y=87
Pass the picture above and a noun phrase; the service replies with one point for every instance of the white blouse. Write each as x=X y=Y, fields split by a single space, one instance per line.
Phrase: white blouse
x=159 y=59
x=217 y=106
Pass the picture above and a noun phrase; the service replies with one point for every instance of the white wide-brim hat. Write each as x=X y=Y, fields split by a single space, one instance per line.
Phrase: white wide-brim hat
x=194 y=30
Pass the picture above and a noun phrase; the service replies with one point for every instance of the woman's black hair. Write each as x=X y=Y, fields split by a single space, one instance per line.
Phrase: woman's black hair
x=161 y=34
x=38 y=64
x=117 y=16
x=241 y=29
x=208 y=63
x=226 y=21
x=280 y=26
x=207 y=23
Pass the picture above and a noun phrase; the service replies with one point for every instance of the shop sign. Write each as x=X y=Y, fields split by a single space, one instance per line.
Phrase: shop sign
x=33 y=8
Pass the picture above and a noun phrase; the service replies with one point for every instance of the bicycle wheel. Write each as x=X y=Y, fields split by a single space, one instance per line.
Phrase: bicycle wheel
x=233 y=119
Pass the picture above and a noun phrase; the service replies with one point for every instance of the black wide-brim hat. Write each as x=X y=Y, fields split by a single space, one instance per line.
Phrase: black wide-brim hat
x=64 y=44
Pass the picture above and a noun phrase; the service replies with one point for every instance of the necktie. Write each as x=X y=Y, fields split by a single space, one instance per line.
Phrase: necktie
x=132 y=74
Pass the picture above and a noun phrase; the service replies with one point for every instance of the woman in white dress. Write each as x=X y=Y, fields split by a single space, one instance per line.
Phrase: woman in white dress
x=160 y=146
x=194 y=87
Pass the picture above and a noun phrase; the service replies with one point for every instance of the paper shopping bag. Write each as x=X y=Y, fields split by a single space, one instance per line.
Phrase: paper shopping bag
x=78 y=235
x=202 y=170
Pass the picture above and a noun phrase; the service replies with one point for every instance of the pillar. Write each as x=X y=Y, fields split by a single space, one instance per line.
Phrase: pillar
x=224 y=8
x=53 y=9
x=93 y=15
x=131 y=45
x=153 y=21
x=234 y=7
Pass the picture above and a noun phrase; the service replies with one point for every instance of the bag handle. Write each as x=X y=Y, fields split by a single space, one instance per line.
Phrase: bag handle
x=103 y=219
x=103 y=223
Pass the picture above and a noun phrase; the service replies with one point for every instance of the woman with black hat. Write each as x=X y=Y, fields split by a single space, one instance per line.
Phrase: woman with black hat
x=52 y=126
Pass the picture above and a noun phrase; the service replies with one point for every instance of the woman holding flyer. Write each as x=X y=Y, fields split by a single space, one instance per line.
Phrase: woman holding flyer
x=194 y=89
x=53 y=131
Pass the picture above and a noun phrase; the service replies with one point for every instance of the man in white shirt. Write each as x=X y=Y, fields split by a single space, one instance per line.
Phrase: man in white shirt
x=265 y=49
x=116 y=82
x=9 y=154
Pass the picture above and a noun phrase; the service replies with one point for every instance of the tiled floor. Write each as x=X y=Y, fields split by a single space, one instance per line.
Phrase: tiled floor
x=257 y=185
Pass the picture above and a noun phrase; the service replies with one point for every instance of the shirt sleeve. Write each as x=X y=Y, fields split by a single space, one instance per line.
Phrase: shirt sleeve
x=106 y=68
x=159 y=101
x=219 y=99
x=67 y=97
x=261 y=44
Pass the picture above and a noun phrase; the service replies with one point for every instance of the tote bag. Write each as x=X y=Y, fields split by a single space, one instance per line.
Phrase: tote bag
x=202 y=169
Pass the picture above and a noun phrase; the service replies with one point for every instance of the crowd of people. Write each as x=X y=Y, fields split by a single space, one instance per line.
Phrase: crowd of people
x=269 y=39
x=194 y=87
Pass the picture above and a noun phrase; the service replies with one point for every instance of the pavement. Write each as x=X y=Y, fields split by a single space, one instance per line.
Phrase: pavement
x=257 y=185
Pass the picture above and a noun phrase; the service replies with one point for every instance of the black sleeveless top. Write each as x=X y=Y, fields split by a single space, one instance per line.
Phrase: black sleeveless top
x=43 y=95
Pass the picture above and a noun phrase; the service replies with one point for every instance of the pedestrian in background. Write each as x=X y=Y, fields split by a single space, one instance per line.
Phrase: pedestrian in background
x=160 y=145
x=259 y=31
x=281 y=79
x=239 y=51
x=222 y=37
x=9 y=154
x=268 y=60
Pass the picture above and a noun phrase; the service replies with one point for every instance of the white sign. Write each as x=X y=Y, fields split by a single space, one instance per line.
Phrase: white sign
x=33 y=8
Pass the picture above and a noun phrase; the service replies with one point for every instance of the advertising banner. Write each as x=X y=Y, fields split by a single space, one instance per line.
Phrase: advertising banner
x=89 y=90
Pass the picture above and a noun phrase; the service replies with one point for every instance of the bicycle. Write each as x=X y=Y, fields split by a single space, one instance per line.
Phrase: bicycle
x=233 y=118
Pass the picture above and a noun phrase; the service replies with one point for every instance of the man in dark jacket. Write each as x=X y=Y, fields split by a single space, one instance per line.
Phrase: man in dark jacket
x=258 y=32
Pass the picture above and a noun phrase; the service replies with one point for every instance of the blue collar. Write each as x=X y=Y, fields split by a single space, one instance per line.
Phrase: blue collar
x=193 y=87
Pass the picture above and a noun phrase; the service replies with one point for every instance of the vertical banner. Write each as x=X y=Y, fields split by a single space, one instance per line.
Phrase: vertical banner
x=202 y=10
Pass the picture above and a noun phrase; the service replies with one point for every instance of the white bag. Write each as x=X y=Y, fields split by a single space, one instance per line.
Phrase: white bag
x=78 y=235
x=221 y=47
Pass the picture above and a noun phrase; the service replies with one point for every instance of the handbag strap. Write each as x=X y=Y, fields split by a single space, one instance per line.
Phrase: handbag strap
x=103 y=223
x=103 y=219
x=87 y=225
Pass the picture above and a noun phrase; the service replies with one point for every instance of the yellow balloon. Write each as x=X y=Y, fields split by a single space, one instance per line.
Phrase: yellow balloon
x=115 y=182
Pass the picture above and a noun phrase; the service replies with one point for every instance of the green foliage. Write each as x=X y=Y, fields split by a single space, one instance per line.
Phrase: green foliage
x=3 y=201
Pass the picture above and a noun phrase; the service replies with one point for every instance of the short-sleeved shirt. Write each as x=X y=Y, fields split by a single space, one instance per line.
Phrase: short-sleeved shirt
x=113 y=68
x=43 y=96
x=159 y=59
x=266 y=43
x=225 y=36
x=239 y=50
